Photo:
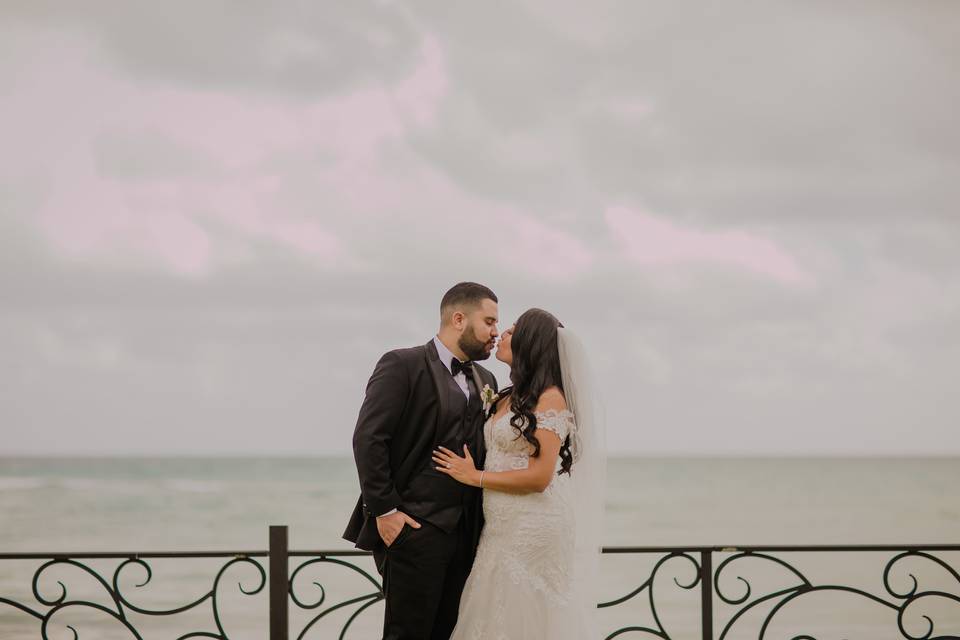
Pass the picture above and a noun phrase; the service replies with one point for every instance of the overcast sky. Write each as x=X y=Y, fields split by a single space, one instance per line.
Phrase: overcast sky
x=215 y=216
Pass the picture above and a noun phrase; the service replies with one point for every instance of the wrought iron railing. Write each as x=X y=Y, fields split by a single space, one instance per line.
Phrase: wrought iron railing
x=720 y=614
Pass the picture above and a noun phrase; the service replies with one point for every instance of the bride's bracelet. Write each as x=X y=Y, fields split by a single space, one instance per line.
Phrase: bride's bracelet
x=481 y=478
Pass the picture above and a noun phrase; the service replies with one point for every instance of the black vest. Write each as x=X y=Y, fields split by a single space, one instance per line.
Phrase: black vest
x=432 y=495
x=455 y=429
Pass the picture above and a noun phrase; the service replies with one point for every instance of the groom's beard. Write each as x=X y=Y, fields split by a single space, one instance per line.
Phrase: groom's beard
x=473 y=348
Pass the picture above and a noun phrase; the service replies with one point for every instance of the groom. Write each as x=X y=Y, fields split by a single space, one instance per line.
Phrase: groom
x=422 y=525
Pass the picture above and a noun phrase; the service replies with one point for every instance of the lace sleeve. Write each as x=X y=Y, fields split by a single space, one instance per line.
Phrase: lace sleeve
x=560 y=422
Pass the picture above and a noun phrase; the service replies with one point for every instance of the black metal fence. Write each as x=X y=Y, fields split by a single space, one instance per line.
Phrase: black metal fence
x=902 y=596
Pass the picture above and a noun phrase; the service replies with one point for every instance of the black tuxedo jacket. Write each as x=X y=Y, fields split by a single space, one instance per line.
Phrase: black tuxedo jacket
x=397 y=431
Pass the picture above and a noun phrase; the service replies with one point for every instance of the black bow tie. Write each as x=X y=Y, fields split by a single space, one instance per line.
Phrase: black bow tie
x=456 y=367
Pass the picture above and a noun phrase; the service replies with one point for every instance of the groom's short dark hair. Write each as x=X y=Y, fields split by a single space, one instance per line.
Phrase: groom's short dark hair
x=465 y=294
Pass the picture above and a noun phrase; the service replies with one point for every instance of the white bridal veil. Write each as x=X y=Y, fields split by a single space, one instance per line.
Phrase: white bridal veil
x=589 y=471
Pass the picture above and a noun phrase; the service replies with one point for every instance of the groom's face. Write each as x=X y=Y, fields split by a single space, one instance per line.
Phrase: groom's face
x=479 y=331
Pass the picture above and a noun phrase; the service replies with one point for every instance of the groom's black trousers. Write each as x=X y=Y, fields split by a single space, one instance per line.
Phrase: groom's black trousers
x=423 y=571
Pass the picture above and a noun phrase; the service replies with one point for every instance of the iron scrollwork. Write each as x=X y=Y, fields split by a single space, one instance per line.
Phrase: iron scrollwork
x=648 y=585
x=903 y=595
x=364 y=601
x=803 y=586
x=121 y=603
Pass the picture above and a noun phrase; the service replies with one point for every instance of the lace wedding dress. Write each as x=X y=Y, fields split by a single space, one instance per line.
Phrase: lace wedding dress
x=521 y=586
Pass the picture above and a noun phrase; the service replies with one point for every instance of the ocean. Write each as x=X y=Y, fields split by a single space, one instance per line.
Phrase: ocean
x=208 y=504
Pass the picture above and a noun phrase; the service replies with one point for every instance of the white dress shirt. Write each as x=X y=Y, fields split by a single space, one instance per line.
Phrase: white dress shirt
x=445 y=357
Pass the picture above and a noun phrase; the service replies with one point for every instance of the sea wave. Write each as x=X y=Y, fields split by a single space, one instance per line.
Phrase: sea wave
x=109 y=485
x=95 y=484
x=21 y=483
x=193 y=486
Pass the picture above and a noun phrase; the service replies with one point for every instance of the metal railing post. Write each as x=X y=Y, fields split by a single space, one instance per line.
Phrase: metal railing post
x=706 y=592
x=279 y=578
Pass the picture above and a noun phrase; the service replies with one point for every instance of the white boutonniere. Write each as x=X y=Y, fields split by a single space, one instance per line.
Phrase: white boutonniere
x=488 y=396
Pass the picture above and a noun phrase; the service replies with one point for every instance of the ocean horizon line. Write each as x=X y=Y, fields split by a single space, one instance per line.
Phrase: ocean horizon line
x=343 y=456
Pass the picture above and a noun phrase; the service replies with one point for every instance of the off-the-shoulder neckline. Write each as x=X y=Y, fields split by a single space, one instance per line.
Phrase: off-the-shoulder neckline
x=546 y=412
x=558 y=412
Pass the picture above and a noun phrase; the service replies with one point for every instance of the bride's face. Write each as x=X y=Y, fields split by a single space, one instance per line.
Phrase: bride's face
x=504 y=354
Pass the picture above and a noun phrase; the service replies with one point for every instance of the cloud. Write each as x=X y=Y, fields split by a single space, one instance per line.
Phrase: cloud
x=728 y=120
x=300 y=51
x=146 y=172
x=243 y=209
x=651 y=241
x=532 y=248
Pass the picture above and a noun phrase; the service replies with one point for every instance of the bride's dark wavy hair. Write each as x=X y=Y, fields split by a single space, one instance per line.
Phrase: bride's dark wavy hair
x=535 y=367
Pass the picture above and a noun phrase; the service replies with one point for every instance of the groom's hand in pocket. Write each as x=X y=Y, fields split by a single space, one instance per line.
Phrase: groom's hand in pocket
x=391 y=525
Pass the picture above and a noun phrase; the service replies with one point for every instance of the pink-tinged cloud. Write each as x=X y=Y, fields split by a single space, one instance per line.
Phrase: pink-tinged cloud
x=209 y=160
x=534 y=247
x=307 y=236
x=649 y=240
x=424 y=200
x=632 y=108
x=179 y=241
x=114 y=224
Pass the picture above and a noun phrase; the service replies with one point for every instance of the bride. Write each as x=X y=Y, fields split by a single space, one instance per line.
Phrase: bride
x=535 y=572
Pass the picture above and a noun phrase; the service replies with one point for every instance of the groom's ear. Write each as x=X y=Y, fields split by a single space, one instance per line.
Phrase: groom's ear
x=457 y=317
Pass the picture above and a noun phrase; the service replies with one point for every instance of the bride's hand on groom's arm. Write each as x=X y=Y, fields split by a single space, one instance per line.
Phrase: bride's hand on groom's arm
x=391 y=525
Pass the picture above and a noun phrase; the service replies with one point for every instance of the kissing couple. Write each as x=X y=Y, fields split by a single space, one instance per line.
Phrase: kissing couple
x=483 y=507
